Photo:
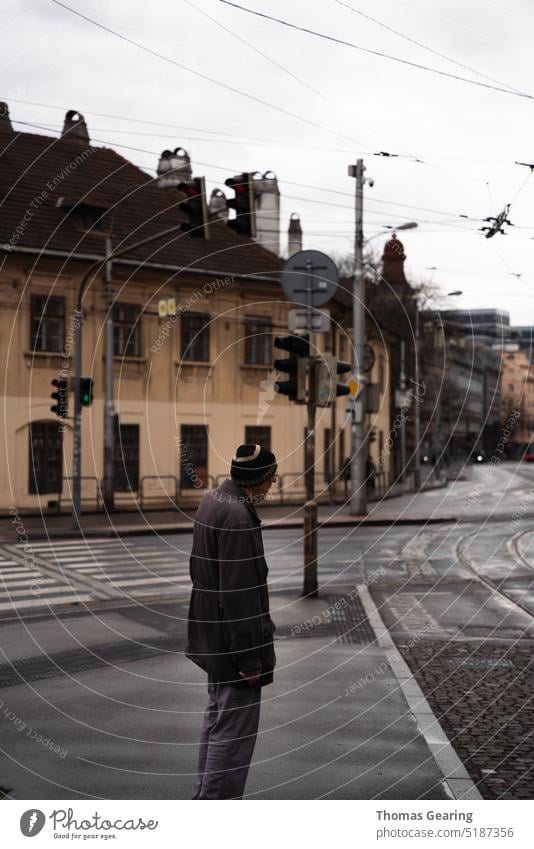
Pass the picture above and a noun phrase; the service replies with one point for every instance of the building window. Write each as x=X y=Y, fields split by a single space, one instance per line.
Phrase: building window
x=126 y=330
x=258 y=341
x=193 y=456
x=258 y=435
x=342 y=345
x=126 y=472
x=46 y=452
x=47 y=323
x=510 y=387
x=195 y=337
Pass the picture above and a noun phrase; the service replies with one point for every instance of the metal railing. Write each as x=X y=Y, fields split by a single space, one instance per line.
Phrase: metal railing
x=66 y=498
x=162 y=495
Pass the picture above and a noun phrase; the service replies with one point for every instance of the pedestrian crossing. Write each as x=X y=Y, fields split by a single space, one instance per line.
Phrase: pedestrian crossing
x=91 y=569
x=23 y=585
x=58 y=572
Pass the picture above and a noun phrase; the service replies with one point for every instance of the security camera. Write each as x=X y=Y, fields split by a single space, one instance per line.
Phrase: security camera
x=371 y=182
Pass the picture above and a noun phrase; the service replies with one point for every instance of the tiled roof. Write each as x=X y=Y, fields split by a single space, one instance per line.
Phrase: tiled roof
x=42 y=176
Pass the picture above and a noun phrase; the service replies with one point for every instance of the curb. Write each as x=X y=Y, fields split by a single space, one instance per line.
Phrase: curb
x=182 y=528
x=455 y=776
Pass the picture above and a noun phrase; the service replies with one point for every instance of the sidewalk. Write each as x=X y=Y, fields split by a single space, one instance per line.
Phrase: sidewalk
x=452 y=504
x=344 y=719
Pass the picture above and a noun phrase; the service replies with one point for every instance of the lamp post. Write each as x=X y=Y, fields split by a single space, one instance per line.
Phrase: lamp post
x=437 y=427
x=358 y=498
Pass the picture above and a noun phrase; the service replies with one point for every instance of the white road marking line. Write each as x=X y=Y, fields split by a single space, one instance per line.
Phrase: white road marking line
x=45 y=602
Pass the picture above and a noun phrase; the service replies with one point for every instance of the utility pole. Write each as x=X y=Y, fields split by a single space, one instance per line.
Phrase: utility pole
x=109 y=452
x=417 y=421
x=402 y=380
x=358 y=499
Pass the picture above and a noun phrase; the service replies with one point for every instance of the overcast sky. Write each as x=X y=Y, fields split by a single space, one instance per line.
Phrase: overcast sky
x=468 y=137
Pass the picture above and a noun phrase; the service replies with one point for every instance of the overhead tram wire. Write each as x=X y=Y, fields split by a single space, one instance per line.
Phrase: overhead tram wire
x=264 y=55
x=249 y=139
x=425 y=46
x=378 y=53
x=206 y=77
x=290 y=73
x=227 y=169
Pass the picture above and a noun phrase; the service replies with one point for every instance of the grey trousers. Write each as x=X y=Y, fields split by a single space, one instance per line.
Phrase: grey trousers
x=227 y=741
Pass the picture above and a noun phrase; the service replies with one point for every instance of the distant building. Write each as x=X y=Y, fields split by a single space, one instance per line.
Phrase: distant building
x=517 y=396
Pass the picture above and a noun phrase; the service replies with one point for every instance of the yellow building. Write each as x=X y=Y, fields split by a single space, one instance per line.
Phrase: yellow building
x=193 y=327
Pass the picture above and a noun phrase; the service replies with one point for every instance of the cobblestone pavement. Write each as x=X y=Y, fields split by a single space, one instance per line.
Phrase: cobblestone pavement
x=482 y=695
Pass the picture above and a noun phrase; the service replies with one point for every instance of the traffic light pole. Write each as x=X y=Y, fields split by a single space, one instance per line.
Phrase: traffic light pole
x=309 y=589
x=358 y=498
x=78 y=338
x=109 y=458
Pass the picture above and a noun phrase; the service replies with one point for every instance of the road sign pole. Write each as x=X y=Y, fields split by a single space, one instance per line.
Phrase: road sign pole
x=309 y=279
x=310 y=587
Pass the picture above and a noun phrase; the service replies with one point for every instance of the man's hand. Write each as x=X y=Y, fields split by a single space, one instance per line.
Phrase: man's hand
x=252 y=676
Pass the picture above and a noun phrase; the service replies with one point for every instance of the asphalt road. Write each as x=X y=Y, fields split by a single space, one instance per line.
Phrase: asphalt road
x=458 y=598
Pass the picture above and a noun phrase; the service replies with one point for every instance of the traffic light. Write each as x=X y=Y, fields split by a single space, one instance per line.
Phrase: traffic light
x=243 y=203
x=86 y=391
x=342 y=368
x=296 y=366
x=195 y=207
x=60 y=396
x=324 y=386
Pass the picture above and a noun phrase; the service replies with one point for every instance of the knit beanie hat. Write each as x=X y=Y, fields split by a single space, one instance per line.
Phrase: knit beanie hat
x=252 y=465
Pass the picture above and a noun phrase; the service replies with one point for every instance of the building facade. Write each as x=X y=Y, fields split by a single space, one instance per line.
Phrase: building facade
x=193 y=326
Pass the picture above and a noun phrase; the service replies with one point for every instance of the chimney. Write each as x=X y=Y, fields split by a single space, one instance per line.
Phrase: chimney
x=218 y=207
x=267 y=208
x=294 y=235
x=393 y=262
x=75 y=126
x=5 y=122
x=174 y=167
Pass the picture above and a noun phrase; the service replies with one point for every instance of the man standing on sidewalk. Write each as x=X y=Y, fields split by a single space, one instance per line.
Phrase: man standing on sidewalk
x=230 y=631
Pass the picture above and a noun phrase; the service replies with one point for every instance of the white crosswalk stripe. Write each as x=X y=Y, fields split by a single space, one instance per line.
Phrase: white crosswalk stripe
x=118 y=568
x=23 y=585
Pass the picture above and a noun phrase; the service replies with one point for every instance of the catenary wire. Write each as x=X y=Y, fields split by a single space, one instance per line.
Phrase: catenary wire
x=378 y=53
x=206 y=77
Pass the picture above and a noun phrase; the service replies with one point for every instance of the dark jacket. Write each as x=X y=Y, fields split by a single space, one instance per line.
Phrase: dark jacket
x=229 y=626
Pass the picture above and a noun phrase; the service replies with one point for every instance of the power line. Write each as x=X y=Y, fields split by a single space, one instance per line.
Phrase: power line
x=378 y=53
x=282 y=180
x=254 y=139
x=203 y=76
x=424 y=46
x=264 y=55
